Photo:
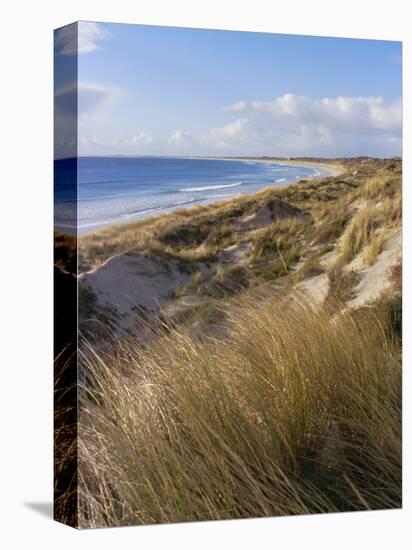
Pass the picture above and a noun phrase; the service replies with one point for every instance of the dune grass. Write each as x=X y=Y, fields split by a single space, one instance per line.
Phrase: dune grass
x=370 y=227
x=278 y=407
x=295 y=411
x=358 y=209
x=361 y=231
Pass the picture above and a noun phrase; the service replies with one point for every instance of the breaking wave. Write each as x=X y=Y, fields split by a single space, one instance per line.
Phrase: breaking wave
x=209 y=187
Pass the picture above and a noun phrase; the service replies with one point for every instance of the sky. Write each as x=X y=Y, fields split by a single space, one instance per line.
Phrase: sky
x=146 y=90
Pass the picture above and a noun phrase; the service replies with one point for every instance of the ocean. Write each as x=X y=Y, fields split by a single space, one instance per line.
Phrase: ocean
x=124 y=189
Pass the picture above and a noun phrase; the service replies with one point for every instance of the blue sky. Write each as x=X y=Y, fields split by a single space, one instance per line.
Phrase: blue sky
x=162 y=90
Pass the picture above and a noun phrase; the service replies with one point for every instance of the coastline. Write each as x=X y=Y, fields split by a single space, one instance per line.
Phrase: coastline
x=191 y=257
x=332 y=169
x=323 y=170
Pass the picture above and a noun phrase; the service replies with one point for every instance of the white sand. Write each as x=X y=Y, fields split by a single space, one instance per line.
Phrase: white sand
x=129 y=281
x=375 y=279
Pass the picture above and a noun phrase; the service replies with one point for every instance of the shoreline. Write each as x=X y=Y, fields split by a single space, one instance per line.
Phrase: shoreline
x=334 y=168
x=324 y=170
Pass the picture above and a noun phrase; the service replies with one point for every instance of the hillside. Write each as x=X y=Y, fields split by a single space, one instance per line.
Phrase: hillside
x=334 y=239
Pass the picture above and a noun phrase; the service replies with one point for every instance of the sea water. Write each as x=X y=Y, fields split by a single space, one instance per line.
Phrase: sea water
x=124 y=189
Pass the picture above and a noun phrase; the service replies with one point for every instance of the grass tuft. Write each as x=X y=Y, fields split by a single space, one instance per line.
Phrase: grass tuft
x=295 y=411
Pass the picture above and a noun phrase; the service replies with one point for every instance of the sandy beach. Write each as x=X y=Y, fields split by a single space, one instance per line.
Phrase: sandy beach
x=334 y=168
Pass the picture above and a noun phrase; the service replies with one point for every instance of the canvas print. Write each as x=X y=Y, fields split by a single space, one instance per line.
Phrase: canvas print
x=228 y=274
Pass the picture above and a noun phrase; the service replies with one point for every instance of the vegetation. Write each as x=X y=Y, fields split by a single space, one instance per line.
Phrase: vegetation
x=357 y=211
x=65 y=252
x=341 y=283
x=290 y=413
x=254 y=400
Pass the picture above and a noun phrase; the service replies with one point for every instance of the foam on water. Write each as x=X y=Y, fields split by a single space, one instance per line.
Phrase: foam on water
x=209 y=187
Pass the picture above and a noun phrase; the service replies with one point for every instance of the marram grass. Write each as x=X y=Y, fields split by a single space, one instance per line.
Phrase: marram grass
x=295 y=410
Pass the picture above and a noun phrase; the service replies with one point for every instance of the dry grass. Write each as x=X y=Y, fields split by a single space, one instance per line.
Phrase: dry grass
x=341 y=284
x=310 y=268
x=332 y=220
x=379 y=214
x=273 y=407
x=291 y=413
x=322 y=210
x=192 y=234
x=375 y=247
x=360 y=233
x=381 y=186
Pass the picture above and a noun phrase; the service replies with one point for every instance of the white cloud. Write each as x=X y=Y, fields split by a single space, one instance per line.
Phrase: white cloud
x=339 y=112
x=93 y=141
x=65 y=100
x=236 y=107
x=89 y=34
x=387 y=117
x=65 y=122
x=84 y=98
x=288 y=125
x=92 y=97
x=140 y=143
x=83 y=107
x=86 y=40
x=288 y=105
x=294 y=125
x=234 y=132
x=181 y=138
x=141 y=138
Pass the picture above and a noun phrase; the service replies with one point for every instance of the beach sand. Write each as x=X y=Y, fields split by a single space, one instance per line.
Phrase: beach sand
x=331 y=169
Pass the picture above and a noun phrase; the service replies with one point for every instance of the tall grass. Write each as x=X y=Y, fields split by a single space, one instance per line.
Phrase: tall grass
x=278 y=407
x=296 y=410
x=361 y=231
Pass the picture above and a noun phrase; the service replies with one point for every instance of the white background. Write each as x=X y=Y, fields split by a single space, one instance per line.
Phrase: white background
x=26 y=274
